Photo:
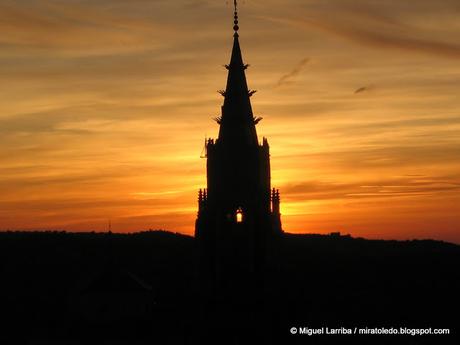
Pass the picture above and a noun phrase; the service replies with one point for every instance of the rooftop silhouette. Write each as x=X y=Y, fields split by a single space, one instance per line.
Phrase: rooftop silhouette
x=322 y=280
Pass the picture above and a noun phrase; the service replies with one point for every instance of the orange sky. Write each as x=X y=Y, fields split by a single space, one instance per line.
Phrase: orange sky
x=104 y=107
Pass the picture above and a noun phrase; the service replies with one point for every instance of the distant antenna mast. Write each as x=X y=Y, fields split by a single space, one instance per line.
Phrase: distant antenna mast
x=110 y=225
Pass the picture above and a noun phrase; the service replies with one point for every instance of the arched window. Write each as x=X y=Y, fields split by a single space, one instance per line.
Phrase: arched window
x=239 y=215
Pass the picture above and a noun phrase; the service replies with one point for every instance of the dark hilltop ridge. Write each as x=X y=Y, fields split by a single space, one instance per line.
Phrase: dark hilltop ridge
x=108 y=288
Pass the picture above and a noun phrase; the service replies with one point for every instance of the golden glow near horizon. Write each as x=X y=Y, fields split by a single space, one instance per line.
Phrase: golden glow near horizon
x=104 y=107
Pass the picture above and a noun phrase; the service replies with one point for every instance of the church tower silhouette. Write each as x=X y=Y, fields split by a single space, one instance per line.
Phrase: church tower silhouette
x=238 y=212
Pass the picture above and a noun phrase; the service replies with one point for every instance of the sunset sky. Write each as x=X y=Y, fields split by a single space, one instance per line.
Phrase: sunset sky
x=105 y=105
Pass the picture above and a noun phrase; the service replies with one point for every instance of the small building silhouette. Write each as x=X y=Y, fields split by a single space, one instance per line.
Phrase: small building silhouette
x=114 y=296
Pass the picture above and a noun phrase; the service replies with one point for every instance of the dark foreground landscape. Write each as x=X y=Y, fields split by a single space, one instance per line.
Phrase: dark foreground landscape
x=89 y=288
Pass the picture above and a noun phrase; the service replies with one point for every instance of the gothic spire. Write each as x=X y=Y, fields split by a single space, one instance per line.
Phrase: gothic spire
x=237 y=125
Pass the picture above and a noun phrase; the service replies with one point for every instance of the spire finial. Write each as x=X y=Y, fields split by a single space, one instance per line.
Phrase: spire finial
x=235 y=27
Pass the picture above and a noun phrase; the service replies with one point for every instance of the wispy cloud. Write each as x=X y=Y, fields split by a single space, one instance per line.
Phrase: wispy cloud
x=390 y=188
x=376 y=37
x=287 y=78
x=363 y=89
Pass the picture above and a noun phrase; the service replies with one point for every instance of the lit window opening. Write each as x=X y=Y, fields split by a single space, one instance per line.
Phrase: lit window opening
x=239 y=215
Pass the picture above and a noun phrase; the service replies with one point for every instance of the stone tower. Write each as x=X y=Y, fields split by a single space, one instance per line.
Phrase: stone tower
x=238 y=212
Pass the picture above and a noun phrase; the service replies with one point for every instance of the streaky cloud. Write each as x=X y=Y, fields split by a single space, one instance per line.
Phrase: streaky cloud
x=377 y=39
x=287 y=78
